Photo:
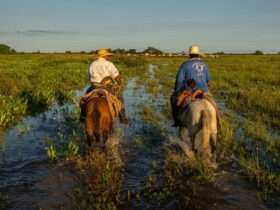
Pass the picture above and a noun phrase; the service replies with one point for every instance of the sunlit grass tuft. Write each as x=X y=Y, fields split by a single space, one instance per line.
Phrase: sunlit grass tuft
x=99 y=181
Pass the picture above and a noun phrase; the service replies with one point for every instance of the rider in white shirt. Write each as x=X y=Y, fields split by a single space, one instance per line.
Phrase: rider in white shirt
x=100 y=69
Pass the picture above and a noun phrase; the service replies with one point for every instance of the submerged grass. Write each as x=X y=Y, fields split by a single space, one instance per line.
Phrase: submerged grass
x=179 y=183
x=265 y=178
x=99 y=181
x=247 y=84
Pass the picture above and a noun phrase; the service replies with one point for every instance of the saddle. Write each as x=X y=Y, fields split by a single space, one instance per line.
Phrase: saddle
x=113 y=86
x=184 y=99
x=115 y=105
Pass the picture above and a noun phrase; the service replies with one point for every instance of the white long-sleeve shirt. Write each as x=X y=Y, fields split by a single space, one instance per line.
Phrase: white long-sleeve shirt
x=100 y=69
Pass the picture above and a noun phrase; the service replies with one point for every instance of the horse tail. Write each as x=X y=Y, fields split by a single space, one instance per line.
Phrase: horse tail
x=105 y=121
x=205 y=117
x=90 y=122
x=96 y=118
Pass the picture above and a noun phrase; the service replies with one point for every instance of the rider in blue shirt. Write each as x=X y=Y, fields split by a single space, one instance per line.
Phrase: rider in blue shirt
x=192 y=70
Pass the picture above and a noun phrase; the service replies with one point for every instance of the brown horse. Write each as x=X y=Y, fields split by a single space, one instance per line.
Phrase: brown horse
x=98 y=121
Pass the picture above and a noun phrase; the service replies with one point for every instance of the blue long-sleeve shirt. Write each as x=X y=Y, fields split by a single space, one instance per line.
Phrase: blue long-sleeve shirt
x=194 y=69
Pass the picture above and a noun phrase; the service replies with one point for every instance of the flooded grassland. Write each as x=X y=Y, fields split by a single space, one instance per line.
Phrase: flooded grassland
x=43 y=159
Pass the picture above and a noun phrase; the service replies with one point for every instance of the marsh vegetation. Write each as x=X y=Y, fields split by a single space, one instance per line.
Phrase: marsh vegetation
x=39 y=95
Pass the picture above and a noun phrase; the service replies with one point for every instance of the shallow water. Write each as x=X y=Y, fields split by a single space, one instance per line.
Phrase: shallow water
x=142 y=155
x=24 y=162
x=24 y=165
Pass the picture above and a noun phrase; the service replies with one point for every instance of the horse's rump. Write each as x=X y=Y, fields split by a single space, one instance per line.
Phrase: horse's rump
x=99 y=120
x=98 y=123
x=200 y=123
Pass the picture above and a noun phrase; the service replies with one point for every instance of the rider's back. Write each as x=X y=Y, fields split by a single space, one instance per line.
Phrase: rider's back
x=195 y=69
x=100 y=69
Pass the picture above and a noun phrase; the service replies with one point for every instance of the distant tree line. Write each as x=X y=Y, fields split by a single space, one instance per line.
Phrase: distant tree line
x=150 y=50
x=155 y=51
x=5 y=49
x=259 y=52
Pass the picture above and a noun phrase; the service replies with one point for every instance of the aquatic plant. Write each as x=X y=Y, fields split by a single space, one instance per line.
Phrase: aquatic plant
x=73 y=150
x=99 y=182
x=176 y=185
x=52 y=152
x=11 y=109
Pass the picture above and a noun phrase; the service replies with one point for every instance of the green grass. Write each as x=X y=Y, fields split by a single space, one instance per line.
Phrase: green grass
x=150 y=116
x=248 y=84
x=31 y=83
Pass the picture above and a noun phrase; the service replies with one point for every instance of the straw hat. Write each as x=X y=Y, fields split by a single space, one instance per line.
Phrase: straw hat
x=103 y=52
x=194 y=50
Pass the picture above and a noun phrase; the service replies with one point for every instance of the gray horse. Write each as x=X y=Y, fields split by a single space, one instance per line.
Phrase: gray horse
x=199 y=130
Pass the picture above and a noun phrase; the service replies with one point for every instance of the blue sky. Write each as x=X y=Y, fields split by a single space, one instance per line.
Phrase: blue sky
x=171 y=25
